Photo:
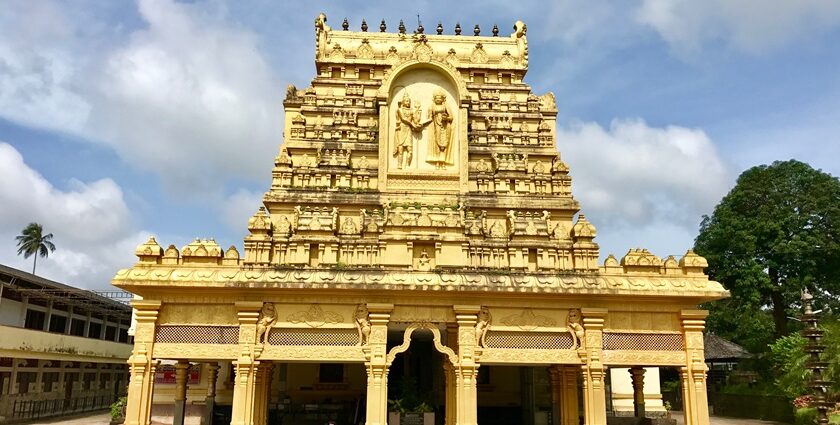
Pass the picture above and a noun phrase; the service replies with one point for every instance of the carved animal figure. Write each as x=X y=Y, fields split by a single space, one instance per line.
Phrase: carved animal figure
x=362 y=324
x=268 y=316
x=484 y=319
x=576 y=329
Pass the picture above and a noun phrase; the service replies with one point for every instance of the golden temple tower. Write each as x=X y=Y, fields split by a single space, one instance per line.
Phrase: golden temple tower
x=418 y=191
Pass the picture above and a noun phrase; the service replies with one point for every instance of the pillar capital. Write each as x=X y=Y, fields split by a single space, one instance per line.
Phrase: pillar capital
x=593 y=318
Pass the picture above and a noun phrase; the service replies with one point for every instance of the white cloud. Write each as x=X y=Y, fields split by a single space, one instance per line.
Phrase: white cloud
x=188 y=96
x=239 y=207
x=631 y=176
x=191 y=98
x=93 y=228
x=747 y=25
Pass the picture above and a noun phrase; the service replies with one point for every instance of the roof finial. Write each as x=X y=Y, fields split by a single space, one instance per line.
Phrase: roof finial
x=495 y=30
x=345 y=25
x=476 y=30
x=382 y=26
x=439 y=28
x=364 y=26
x=402 y=27
x=457 y=28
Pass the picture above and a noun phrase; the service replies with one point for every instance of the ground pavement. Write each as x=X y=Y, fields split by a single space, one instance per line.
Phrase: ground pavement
x=105 y=418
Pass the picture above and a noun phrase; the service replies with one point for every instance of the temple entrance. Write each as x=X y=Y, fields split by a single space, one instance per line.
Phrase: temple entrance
x=317 y=394
x=416 y=378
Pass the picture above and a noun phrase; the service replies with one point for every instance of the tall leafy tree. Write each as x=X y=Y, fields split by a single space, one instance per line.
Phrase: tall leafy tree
x=775 y=233
x=33 y=242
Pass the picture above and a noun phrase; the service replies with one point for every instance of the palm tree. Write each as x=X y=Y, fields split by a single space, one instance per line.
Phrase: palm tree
x=33 y=241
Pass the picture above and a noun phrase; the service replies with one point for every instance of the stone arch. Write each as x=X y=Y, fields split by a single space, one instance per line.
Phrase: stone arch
x=436 y=339
x=447 y=70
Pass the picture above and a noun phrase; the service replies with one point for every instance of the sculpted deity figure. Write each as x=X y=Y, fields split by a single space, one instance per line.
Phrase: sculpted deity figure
x=322 y=32
x=268 y=316
x=440 y=141
x=408 y=123
x=424 y=262
x=576 y=329
x=362 y=324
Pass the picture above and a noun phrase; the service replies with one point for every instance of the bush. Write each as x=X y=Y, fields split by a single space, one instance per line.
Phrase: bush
x=805 y=416
x=789 y=358
x=118 y=408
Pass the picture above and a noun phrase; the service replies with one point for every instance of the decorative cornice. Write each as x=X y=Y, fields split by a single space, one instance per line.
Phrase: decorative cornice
x=583 y=283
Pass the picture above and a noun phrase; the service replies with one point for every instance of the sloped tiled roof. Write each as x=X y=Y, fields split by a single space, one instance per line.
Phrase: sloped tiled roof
x=719 y=349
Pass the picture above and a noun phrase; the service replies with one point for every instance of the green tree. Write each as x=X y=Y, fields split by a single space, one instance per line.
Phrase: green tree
x=33 y=242
x=775 y=233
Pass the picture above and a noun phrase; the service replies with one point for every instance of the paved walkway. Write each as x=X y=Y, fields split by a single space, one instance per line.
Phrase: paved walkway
x=718 y=420
x=94 y=419
x=105 y=419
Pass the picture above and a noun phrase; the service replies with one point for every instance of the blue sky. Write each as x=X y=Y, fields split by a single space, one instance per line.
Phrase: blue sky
x=121 y=119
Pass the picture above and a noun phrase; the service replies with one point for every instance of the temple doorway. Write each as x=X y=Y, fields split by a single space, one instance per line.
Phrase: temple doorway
x=416 y=380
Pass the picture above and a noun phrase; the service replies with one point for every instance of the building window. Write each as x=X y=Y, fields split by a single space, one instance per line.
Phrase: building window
x=25 y=379
x=49 y=380
x=331 y=373
x=110 y=333
x=95 y=330
x=89 y=379
x=123 y=335
x=57 y=323
x=35 y=319
x=77 y=327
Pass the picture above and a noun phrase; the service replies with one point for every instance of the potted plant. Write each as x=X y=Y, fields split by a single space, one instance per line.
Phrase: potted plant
x=410 y=408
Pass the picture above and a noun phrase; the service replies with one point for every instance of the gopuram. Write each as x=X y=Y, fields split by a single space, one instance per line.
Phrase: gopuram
x=419 y=251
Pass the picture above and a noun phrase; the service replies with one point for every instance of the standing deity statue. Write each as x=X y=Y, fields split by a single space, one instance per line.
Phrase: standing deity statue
x=440 y=141
x=408 y=123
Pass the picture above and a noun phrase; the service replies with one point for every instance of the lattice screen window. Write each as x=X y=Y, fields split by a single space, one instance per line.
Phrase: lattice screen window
x=322 y=337
x=197 y=334
x=528 y=340
x=643 y=342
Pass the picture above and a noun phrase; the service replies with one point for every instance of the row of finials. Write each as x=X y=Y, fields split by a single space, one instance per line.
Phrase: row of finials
x=382 y=27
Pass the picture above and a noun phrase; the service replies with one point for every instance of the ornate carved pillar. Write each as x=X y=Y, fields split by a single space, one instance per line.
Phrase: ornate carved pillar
x=555 y=375
x=570 y=415
x=693 y=375
x=263 y=391
x=637 y=376
x=141 y=366
x=467 y=369
x=564 y=394
x=210 y=400
x=594 y=396
x=181 y=369
x=245 y=366
x=451 y=378
x=377 y=365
